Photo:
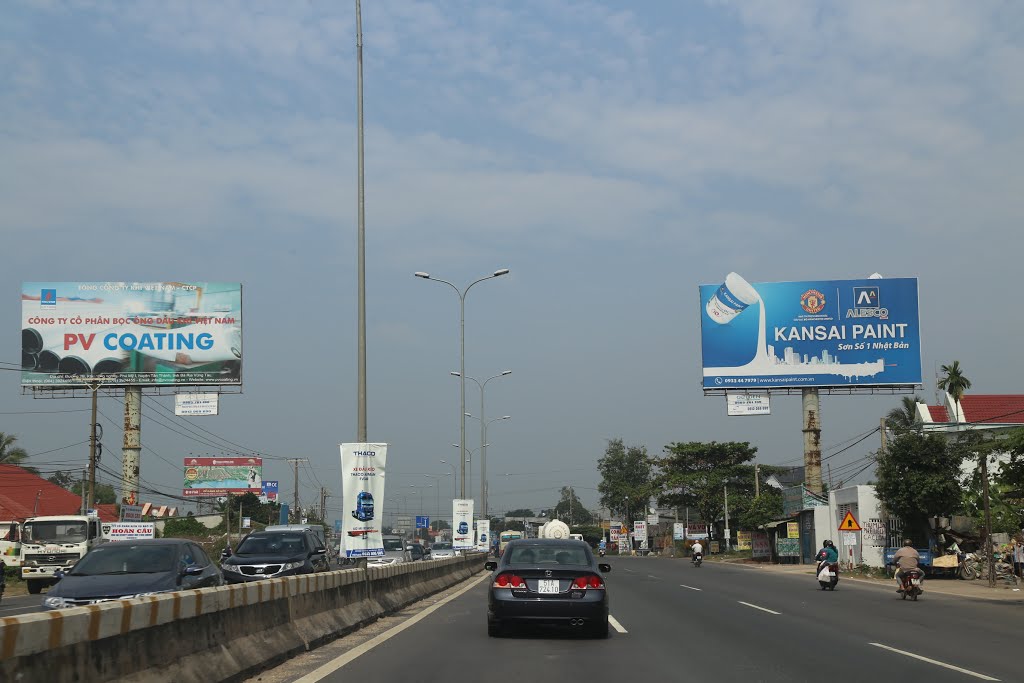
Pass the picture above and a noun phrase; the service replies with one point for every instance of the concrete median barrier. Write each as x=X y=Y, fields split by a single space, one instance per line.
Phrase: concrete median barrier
x=213 y=634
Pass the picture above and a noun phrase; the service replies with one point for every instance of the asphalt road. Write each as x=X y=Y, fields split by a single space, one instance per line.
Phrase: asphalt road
x=676 y=622
x=13 y=605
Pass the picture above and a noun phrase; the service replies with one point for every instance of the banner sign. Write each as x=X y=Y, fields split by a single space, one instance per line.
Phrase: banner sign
x=761 y=547
x=131 y=513
x=678 y=531
x=483 y=534
x=462 y=524
x=190 y=405
x=221 y=476
x=788 y=547
x=362 y=488
x=743 y=540
x=127 y=531
x=792 y=530
x=822 y=333
x=748 y=404
x=697 y=531
x=131 y=333
x=269 y=490
x=640 y=530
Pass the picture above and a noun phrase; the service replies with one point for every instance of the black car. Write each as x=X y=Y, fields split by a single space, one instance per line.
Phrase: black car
x=548 y=581
x=132 y=569
x=271 y=554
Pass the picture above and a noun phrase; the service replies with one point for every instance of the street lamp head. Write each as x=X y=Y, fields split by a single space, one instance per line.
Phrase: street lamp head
x=506 y=372
x=455 y=374
x=425 y=276
x=505 y=417
x=503 y=271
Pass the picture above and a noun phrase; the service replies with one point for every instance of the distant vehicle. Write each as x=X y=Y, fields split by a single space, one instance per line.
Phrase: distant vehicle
x=133 y=569
x=318 y=531
x=443 y=550
x=272 y=554
x=54 y=544
x=505 y=537
x=576 y=537
x=395 y=552
x=548 y=581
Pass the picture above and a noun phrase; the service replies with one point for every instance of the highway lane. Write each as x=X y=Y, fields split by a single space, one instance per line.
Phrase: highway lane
x=13 y=605
x=718 y=623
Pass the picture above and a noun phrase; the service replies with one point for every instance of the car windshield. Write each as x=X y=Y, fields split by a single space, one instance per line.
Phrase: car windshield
x=126 y=558
x=548 y=554
x=55 y=532
x=273 y=544
x=393 y=544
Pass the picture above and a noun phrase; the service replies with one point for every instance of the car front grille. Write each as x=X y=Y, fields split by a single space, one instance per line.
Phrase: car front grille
x=260 y=569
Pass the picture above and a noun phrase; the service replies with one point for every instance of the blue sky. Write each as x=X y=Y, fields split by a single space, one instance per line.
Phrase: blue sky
x=612 y=156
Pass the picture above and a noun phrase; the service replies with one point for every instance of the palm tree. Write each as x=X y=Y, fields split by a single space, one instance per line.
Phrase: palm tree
x=903 y=418
x=954 y=383
x=9 y=453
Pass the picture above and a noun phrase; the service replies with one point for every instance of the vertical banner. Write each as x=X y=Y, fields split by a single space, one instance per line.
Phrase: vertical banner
x=362 y=488
x=462 y=523
x=483 y=534
x=640 y=532
x=678 y=531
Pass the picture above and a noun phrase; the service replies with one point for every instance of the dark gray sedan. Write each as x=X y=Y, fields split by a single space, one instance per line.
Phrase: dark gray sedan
x=132 y=569
x=548 y=581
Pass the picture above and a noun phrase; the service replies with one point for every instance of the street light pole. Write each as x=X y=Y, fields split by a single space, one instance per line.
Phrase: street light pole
x=483 y=437
x=462 y=362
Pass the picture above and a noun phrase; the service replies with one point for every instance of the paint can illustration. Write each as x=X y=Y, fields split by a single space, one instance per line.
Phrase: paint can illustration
x=731 y=299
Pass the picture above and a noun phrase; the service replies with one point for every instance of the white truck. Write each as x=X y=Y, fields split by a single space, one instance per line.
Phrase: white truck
x=49 y=544
x=556 y=528
x=10 y=543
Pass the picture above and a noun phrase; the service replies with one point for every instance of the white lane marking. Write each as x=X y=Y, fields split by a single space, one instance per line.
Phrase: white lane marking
x=631 y=571
x=683 y=585
x=332 y=666
x=651 y=576
x=616 y=625
x=936 y=662
x=763 y=609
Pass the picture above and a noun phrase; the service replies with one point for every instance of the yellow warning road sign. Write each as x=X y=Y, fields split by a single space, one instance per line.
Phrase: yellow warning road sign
x=849 y=523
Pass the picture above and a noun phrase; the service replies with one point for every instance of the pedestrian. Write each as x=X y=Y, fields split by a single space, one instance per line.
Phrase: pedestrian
x=1018 y=554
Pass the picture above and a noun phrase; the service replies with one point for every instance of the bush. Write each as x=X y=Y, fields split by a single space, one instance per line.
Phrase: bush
x=184 y=526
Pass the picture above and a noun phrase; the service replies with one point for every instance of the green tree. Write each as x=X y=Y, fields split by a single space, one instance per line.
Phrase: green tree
x=955 y=384
x=625 y=484
x=520 y=513
x=1011 y=475
x=762 y=509
x=917 y=478
x=695 y=474
x=570 y=509
x=904 y=417
x=13 y=455
x=63 y=480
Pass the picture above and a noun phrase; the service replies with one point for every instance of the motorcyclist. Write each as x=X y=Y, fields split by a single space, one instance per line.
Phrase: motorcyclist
x=696 y=551
x=827 y=555
x=906 y=558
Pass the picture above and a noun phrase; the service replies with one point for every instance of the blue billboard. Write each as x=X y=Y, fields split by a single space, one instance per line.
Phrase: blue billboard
x=826 y=333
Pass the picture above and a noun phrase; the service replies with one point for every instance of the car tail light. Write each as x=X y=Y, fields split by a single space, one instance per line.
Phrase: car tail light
x=591 y=581
x=509 y=581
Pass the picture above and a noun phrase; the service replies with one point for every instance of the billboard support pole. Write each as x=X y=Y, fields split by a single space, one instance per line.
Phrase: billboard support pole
x=132 y=445
x=812 y=439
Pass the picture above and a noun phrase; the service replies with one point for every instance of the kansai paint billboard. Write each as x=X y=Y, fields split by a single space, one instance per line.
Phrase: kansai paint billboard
x=131 y=333
x=825 y=333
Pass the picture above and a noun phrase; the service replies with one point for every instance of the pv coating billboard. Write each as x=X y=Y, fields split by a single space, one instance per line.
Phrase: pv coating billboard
x=131 y=333
x=825 y=333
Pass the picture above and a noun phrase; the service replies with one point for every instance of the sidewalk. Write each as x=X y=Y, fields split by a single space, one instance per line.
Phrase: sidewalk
x=977 y=589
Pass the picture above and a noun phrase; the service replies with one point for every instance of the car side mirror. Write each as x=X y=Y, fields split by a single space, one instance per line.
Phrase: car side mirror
x=604 y=567
x=191 y=570
x=490 y=565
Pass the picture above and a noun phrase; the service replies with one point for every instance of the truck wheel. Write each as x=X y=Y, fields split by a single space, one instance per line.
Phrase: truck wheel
x=34 y=587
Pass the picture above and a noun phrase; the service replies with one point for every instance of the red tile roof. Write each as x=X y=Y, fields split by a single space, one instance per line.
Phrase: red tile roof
x=938 y=413
x=993 y=408
x=20 y=489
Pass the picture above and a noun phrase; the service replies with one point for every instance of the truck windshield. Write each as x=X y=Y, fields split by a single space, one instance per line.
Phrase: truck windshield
x=71 y=531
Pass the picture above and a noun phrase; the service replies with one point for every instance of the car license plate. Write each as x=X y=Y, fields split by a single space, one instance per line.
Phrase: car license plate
x=547 y=586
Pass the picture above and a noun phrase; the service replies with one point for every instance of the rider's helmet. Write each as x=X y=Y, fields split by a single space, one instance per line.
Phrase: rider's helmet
x=828 y=544
x=907 y=542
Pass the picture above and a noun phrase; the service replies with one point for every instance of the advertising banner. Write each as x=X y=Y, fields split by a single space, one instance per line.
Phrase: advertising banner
x=131 y=333
x=362 y=489
x=640 y=530
x=678 y=531
x=462 y=524
x=823 y=333
x=748 y=404
x=760 y=546
x=221 y=476
x=269 y=491
x=483 y=534
x=131 y=513
x=743 y=540
x=697 y=532
x=191 y=405
x=127 y=531
x=792 y=530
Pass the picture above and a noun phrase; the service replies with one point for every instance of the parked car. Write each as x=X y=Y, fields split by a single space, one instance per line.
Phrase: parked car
x=442 y=550
x=318 y=530
x=548 y=581
x=132 y=569
x=272 y=554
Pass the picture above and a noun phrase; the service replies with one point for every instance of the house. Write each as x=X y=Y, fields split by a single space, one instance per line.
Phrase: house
x=24 y=495
x=990 y=413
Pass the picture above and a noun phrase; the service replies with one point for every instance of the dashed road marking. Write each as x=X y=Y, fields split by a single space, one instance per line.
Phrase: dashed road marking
x=935 y=662
x=763 y=609
x=683 y=585
x=616 y=625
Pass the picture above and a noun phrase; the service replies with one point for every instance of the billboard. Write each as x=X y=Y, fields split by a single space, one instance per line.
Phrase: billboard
x=128 y=531
x=462 y=524
x=269 y=490
x=221 y=476
x=826 y=333
x=363 y=466
x=131 y=333
x=483 y=534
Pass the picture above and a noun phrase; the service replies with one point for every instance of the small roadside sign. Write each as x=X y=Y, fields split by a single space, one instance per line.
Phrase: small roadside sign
x=849 y=523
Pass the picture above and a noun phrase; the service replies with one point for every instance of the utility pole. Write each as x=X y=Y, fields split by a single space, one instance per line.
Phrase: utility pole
x=323 y=504
x=91 y=500
x=830 y=476
x=361 y=435
x=812 y=439
x=989 y=550
x=85 y=493
x=757 y=480
x=881 y=430
x=295 y=500
x=726 y=489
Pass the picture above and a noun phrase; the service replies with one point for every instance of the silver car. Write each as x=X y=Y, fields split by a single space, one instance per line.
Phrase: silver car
x=395 y=552
x=442 y=550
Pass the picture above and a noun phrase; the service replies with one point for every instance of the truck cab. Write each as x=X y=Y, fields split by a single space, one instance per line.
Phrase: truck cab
x=10 y=543
x=55 y=543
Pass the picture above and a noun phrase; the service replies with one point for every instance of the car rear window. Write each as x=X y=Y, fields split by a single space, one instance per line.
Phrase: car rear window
x=528 y=554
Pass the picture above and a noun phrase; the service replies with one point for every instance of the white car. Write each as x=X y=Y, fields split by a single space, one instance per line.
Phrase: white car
x=442 y=550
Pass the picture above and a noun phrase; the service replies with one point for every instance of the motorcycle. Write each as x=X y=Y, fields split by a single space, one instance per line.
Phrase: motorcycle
x=601 y=552
x=910 y=582
x=697 y=559
x=828 y=575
